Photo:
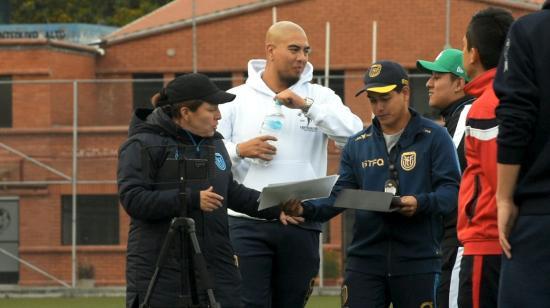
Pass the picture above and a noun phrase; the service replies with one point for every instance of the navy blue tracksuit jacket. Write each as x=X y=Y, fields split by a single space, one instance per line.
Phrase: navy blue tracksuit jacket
x=427 y=165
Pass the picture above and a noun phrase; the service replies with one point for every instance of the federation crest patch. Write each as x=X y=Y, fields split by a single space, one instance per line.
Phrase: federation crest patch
x=344 y=295
x=427 y=305
x=408 y=161
x=220 y=162
x=375 y=70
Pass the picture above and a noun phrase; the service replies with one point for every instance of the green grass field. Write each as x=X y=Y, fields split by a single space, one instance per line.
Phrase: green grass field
x=112 y=302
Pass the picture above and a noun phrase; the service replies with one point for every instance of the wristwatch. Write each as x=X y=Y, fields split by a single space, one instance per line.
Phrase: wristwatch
x=308 y=101
x=238 y=152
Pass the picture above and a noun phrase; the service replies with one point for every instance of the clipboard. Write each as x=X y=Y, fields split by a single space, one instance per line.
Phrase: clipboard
x=274 y=194
x=359 y=199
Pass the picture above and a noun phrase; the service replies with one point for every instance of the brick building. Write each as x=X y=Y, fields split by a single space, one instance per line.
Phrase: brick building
x=36 y=117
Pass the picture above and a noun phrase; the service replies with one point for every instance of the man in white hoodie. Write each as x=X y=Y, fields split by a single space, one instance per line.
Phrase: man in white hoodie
x=278 y=263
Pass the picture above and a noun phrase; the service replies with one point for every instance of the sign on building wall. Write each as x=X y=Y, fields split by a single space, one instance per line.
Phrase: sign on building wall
x=76 y=33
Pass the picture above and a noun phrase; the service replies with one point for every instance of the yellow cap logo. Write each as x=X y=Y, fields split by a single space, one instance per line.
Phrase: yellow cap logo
x=375 y=70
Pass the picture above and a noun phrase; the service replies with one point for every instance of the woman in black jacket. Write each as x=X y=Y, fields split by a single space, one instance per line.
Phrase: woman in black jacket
x=182 y=126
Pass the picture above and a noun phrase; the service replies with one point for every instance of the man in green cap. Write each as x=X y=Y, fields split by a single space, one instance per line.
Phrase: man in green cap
x=446 y=92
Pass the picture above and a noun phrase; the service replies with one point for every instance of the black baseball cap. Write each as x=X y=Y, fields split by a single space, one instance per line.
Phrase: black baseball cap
x=385 y=76
x=191 y=87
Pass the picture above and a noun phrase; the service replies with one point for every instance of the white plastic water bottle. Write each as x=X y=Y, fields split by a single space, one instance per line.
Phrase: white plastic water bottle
x=272 y=125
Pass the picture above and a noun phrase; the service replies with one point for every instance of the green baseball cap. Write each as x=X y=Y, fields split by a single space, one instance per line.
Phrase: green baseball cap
x=448 y=61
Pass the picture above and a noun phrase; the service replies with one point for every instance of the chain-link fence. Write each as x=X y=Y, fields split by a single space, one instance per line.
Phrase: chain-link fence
x=60 y=220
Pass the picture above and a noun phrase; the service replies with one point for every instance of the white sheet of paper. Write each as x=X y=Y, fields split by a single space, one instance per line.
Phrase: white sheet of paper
x=279 y=171
x=274 y=194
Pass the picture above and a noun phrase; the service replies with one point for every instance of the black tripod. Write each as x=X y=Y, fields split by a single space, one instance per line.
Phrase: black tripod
x=192 y=263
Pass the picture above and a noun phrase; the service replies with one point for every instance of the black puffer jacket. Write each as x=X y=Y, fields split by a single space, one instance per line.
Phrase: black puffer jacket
x=149 y=193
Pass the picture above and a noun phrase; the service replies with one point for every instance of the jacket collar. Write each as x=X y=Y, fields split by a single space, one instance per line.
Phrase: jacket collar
x=412 y=129
x=459 y=103
x=477 y=86
x=155 y=121
x=256 y=68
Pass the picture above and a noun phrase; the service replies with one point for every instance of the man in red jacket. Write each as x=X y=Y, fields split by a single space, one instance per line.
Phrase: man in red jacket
x=477 y=214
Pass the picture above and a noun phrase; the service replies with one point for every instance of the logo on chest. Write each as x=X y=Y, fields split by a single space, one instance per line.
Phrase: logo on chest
x=377 y=162
x=307 y=125
x=408 y=160
x=220 y=162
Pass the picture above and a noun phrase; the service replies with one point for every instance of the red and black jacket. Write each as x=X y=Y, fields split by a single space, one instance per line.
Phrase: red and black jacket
x=477 y=213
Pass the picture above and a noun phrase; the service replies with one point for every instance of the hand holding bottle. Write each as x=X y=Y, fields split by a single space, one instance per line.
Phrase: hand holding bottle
x=272 y=126
x=258 y=147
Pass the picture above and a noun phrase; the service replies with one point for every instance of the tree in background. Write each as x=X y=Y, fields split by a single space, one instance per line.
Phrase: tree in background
x=111 y=13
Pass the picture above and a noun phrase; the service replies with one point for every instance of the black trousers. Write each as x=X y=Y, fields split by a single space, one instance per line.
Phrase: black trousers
x=278 y=263
x=479 y=277
x=448 y=262
x=525 y=279
x=226 y=297
x=376 y=291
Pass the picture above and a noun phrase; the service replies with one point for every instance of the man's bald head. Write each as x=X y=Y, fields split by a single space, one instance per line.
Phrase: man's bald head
x=287 y=51
x=279 y=31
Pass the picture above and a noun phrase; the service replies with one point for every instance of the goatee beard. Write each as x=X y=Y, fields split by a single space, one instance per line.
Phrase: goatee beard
x=290 y=81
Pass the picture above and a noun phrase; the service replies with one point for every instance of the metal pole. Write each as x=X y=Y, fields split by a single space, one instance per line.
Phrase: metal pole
x=448 y=25
x=194 y=23
x=327 y=71
x=74 y=180
x=273 y=14
x=321 y=262
x=327 y=53
x=41 y=183
x=374 y=40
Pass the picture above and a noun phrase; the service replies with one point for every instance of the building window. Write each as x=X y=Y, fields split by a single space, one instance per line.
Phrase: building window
x=224 y=80
x=97 y=220
x=6 y=103
x=336 y=81
x=143 y=89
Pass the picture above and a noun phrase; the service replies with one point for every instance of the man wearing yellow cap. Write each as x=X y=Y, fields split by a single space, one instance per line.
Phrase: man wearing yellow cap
x=394 y=257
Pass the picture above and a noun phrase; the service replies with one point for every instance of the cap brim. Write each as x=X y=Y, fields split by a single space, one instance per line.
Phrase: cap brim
x=378 y=89
x=382 y=89
x=430 y=67
x=219 y=97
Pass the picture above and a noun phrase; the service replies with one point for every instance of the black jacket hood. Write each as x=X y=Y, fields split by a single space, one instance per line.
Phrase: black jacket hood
x=155 y=121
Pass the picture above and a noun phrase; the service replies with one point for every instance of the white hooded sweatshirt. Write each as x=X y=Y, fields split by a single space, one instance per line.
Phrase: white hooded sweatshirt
x=301 y=146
